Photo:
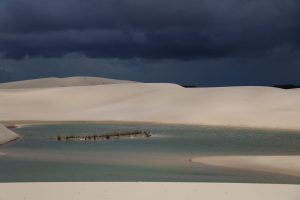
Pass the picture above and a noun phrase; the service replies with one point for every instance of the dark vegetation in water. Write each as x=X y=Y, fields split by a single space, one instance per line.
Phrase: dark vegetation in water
x=283 y=86
x=189 y=86
x=111 y=136
x=287 y=86
x=12 y=126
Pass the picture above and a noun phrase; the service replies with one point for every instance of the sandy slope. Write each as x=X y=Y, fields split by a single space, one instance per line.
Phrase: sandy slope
x=6 y=135
x=60 y=82
x=289 y=165
x=148 y=191
x=164 y=103
x=169 y=103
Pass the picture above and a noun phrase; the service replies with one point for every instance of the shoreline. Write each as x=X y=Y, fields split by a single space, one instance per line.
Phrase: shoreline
x=11 y=124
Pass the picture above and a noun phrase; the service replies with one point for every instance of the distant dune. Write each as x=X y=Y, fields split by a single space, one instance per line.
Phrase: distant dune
x=60 y=82
x=263 y=107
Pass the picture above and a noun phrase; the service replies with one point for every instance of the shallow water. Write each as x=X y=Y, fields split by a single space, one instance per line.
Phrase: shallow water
x=163 y=157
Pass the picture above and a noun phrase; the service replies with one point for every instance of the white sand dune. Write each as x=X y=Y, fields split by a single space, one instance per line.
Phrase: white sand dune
x=263 y=107
x=60 y=82
x=288 y=165
x=6 y=135
x=148 y=191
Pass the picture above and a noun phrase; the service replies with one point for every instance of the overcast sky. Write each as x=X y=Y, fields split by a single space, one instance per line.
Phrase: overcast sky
x=201 y=42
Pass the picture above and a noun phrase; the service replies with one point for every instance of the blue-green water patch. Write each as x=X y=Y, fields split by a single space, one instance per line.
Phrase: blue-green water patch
x=163 y=157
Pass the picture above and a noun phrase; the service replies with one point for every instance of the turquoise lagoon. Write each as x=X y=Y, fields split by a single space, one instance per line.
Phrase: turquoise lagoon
x=164 y=157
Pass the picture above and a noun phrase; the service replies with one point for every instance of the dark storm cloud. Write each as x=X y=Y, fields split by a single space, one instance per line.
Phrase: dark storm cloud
x=156 y=29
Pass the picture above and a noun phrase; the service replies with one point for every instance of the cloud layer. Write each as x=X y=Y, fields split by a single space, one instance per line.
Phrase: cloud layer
x=154 y=29
x=203 y=42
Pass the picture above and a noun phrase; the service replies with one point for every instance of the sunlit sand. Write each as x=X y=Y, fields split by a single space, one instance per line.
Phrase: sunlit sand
x=93 y=100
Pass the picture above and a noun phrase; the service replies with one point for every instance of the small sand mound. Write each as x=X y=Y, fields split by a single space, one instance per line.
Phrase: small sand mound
x=6 y=135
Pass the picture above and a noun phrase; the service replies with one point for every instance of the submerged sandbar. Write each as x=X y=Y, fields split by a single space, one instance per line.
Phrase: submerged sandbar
x=288 y=165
